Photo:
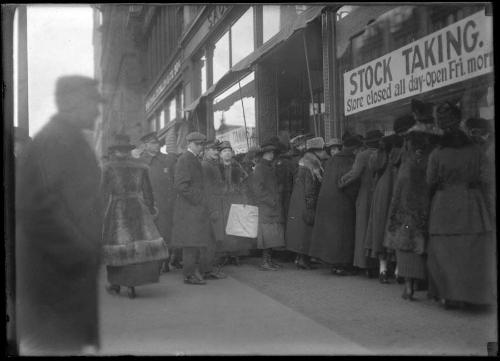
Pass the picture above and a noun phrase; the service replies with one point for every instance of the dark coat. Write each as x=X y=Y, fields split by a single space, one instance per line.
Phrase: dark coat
x=286 y=168
x=459 y=175
x=303 y=204
x=267 y=196
x=130 y=235
x=213 y=187
x=191 y=217
x=379 y=163
x=407 y=227
x=59 y=223
x=161 y=174
x=361 y=171
x=332 y=239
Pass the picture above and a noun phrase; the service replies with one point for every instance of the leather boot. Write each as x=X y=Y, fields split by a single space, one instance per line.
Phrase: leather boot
x=266 y=261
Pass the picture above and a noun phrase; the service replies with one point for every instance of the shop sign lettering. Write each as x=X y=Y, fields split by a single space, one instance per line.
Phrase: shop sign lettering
x=453 y=54
x=167 y=79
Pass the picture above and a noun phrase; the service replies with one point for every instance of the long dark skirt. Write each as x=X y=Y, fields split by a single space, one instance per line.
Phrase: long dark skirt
x=135 y=274
x=411 y=265
x=462 y=268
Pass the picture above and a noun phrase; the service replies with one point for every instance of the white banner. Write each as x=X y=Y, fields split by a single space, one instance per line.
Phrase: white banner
x=460 y=51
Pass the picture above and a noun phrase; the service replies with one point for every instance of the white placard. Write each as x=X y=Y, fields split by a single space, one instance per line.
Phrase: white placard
x=460 y=51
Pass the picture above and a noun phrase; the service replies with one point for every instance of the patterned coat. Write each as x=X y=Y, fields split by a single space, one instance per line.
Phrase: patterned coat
x=191 y=216
x=161 y=174
x=130 y=235
x=58 y=226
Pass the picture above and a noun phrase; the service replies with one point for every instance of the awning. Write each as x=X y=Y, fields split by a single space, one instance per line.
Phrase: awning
x=240 y=69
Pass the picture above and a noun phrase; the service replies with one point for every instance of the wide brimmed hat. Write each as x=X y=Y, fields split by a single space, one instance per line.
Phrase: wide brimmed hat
x=403 y=123
x=121 y=142
x=196 y=137
x=224 y=145
x=352 y=141
x=213 y=144
x=270 y=145
x=21 y=134
x=316 y=143
x=448 y=115
x=373 y=137
x=334 y=142
x=150 y=137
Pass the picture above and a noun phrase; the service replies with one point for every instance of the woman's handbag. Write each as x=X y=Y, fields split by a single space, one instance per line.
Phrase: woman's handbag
x=243 y=221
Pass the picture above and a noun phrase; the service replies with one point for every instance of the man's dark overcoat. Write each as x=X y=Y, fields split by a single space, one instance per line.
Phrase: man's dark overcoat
x=161 y=175
x=59 y=217
x=191 y=217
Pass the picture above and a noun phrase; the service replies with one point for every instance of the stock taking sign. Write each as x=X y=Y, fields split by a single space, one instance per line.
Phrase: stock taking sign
x=455 y=53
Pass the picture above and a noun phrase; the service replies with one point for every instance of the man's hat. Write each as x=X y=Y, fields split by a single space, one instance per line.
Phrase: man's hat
x=300 y=140
x=334 y=142
x=422 y=111
x=448 y=115
x=316 y=143
x=121 y=142
x=150 y=137
x=213 y=144
x=21 y=134
x=224 y=145
x=270 y=145
x=70 y=85
x=478 y=123
x=196 y=137
x=373 y=137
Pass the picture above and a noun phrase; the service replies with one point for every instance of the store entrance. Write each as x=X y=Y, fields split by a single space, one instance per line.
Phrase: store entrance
x=295 y=110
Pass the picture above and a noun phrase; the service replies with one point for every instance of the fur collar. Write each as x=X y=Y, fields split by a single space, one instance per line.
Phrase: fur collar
x=313 y=163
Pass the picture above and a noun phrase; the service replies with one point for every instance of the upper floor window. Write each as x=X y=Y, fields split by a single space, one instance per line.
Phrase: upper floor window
x=242 y=43
x=221 y=61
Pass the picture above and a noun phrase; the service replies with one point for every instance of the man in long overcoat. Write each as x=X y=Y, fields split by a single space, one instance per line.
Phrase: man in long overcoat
x=161 y=175
x=191 y=219
x=59 y=217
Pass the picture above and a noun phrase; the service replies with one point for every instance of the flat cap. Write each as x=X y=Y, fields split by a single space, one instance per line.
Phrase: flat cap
x=196 y=137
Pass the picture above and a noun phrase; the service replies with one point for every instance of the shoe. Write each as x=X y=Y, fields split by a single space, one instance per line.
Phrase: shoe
x=218 y=275
x=267 y=267
x=407 y=296
x=113 y=289
x=400 y=280
x=131 y=292
x=383 y=277
x=193 y=280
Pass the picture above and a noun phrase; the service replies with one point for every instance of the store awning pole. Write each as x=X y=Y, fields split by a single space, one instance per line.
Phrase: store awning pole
x=310 y=83
x=244 y=118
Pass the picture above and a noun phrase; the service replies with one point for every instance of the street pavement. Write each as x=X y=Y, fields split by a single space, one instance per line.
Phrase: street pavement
x=288 y=312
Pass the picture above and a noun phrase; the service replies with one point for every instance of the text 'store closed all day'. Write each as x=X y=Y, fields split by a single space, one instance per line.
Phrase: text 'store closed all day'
x=453 y=54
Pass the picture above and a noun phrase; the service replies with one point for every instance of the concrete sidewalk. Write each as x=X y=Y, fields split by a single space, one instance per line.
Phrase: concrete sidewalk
x=224 y=317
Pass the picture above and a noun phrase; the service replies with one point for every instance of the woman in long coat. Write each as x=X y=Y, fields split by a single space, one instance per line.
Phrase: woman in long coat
x=332 y=238
x=360 y=170
x=265 y=191
x=303 y=201
x=382 y=163
x=133 y=247
x=233 y=177
x=409 y=211
x=461 y=253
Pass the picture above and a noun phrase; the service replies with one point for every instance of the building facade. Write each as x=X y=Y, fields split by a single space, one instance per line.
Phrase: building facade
x=244 y=73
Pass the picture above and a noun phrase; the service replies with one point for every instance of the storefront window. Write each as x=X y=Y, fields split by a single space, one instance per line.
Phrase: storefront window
x=171 y=109
x=162 y=119
x=276 y=17
x=221 y=57
x=233 y=109
x=152 y=124
x=242 y=43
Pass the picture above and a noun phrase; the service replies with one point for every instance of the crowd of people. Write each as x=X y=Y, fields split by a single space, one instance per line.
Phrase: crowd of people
x=416 y=206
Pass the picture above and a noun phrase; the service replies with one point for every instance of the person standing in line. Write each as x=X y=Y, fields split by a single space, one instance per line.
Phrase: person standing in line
x=360 y=170
x=266 y=194
x=302 y=210
x=407 y=229
x=462 y=247
x=133 y=247
x=161 y=174
x=212 y=185
x=333 y=146
x=332 y=238
x=191 y=229
x=58 y=227
x=233 y=180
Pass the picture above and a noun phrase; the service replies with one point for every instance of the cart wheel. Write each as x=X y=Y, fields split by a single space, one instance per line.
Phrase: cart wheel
x=131 y=292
